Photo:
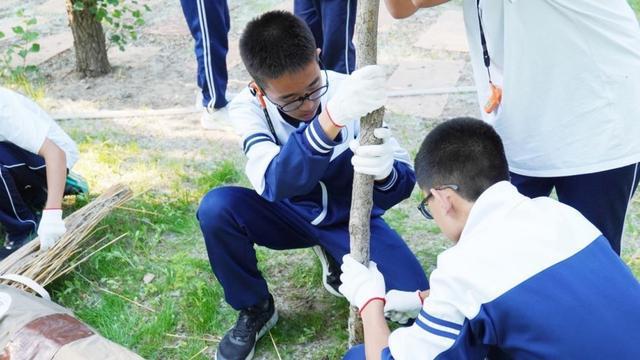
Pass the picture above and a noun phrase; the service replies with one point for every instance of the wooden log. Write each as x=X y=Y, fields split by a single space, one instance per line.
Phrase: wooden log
x=362 y=195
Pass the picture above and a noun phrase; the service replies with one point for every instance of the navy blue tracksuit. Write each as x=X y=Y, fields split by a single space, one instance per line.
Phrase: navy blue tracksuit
x=23 y=184
x=209 y=23
x=301 y=197
x=332 y=24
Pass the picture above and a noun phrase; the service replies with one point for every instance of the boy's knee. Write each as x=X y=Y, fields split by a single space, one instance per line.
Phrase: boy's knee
x=215 y=205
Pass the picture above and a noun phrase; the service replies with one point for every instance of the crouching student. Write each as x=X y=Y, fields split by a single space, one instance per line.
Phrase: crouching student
x=35 y=156
x=296 y=126
x=526 y=278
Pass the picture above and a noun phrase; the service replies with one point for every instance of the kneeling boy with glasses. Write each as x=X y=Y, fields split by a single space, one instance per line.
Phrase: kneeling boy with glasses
x=526 y=278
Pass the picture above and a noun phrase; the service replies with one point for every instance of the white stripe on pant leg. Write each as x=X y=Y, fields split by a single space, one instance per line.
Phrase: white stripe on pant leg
x=208 y=72
x=346 y=37
x=635 y=174
x=35 y=227
x=23 y=164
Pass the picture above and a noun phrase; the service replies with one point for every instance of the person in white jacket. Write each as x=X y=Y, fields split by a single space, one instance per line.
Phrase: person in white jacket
x=526 y=278
x=35 y=156
x=560 y=82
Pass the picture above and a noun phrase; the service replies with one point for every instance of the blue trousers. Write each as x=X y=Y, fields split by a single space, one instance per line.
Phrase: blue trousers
x=601 y=197
x=23 y=187
x=209 y=23
x=234 y=219
x=332 y=23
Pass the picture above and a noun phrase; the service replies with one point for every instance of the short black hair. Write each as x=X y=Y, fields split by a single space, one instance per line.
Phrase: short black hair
x=463 y=151
x=275 y=43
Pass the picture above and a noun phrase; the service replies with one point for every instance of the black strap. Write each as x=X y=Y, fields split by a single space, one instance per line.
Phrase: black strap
x=483 y=41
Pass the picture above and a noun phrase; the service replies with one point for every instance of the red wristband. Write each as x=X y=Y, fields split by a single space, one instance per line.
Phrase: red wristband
x=368 y=302
x=330 y=119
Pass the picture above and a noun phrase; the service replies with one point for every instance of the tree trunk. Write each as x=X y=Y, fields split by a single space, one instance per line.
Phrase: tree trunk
x=362 y=196
x=88 y=40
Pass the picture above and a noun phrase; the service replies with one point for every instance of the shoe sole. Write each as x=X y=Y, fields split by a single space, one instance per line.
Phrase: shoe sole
x=267 y=326
x=325 y=270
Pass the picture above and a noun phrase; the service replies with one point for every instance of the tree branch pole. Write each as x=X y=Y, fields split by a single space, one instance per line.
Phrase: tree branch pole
x=362 y=195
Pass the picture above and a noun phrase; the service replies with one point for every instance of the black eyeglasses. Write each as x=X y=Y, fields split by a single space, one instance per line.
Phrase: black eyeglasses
x=311 y=96
x=423 y=204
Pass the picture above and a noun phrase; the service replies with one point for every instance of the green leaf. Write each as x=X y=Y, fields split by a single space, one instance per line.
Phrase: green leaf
x=1 y=34
x=139 y=22
x=116 y=13
x=31 y=68
x=20 y=12
x=31 y=21
x=101 y=14
x=146 y=7
x=136 y=13
x=78 y=6
x=23 y=53
x=116 y=38
x=30 y=36
x=113 y=2
x=35 y=47
x=17 y=30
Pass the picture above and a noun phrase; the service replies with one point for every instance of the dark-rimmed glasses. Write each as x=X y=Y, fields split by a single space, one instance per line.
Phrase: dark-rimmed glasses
x=423 y=204
x=311 y=96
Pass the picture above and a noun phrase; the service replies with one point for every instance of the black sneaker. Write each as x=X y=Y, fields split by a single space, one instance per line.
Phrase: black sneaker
x=239 y=342
x=330 y=271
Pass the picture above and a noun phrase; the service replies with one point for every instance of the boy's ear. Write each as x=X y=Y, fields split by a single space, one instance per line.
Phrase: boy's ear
x=444 y=200
x=318 y=51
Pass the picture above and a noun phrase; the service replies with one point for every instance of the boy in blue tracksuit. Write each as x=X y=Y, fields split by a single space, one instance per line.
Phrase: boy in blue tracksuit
x=526 y=278
x=300 y=135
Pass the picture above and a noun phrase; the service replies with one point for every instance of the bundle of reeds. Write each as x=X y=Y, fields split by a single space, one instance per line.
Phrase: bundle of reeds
x=73 y=248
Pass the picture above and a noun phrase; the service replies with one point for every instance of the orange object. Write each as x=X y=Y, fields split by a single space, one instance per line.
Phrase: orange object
x=256 y=91
x=494 y=100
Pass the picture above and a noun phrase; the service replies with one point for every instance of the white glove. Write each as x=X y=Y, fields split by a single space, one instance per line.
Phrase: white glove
x=376 y=160
x=401 y=306
x=359 y=283
x=51 y=228
x=359 y=94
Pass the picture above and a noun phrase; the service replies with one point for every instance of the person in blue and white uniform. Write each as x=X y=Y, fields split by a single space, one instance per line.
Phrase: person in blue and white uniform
x=299 y=127
x=525 y=279
x=35 y=157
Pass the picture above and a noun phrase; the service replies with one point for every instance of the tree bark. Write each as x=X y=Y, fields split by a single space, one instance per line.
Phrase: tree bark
x=88 y=40
x=362 y=195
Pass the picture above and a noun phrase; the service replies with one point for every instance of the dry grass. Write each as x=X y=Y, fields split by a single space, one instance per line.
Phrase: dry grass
x=75 y=246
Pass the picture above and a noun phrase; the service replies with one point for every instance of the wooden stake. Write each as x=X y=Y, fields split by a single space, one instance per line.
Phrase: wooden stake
x=362 y=195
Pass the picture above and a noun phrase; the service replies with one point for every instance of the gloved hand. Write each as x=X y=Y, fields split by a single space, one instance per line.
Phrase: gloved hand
x=359 y=94
x=51 y=228
x=376 y=160
x=359 y=283
x=401 y=306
